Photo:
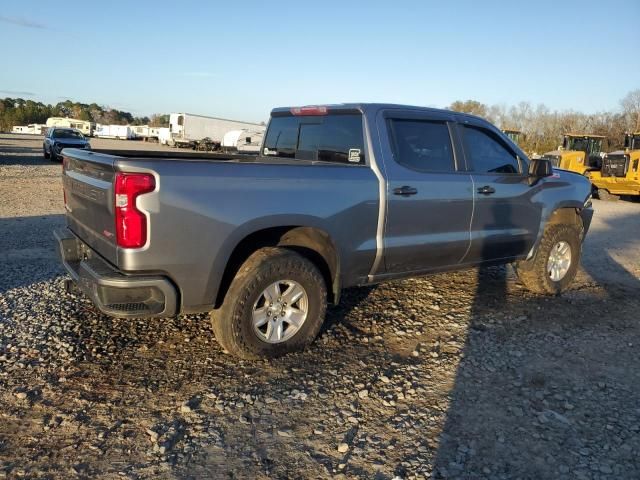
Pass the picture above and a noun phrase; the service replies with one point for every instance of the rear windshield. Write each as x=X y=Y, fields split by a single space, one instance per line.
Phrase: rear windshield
x=66 y=134
x=330 y=138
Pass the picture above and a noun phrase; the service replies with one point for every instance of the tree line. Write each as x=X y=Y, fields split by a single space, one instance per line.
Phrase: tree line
x=17 y=111
x=543 y=128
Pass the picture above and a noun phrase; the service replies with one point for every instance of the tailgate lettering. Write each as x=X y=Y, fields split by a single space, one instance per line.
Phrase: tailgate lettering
x=85 y=190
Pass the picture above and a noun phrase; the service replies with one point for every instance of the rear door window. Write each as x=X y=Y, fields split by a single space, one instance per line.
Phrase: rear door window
x=282 y=137
x=421 y=145
x=336 y=138
x=488 y=153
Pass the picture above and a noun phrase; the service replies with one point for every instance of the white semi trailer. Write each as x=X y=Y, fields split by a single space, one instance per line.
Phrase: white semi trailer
x=186 y=128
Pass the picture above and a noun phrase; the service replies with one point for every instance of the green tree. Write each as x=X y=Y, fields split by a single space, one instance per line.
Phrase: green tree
x=470 y=106
x=631 y=108
x=159 y=120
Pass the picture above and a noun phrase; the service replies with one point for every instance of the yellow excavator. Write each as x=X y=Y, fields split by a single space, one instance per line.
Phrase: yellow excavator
x=580 y=153
x=620 y=171
x=514 y=135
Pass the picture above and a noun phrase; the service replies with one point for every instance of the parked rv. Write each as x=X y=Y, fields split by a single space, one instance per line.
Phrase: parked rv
x=145 y=132
x=242 y=141
x=32 y=129
x=186 y=129
x=121 y=132
x=83 y=126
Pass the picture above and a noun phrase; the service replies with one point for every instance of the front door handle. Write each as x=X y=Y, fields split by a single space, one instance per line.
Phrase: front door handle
x=405 y=191
x=486 y=190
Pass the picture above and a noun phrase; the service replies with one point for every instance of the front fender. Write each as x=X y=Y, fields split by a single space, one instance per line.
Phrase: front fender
x=563 y=190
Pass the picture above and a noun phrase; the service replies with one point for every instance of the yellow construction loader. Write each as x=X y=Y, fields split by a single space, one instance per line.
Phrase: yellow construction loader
x=514 y=135
x=620 y=173
x=579 y=153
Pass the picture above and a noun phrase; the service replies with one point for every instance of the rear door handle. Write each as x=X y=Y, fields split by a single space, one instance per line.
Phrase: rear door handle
x=405 y=191
x=486 y=190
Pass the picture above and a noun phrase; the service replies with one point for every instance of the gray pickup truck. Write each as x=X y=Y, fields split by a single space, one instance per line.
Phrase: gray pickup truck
x=339 y=196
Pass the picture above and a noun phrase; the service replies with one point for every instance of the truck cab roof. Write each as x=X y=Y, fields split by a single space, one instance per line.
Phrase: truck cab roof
x=323 y=109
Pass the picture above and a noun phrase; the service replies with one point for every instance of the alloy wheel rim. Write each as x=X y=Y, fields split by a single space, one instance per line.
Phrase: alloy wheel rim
x=559 y=261
x=280 y=311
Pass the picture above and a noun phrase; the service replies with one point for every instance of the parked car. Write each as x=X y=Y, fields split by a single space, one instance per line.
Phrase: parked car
x=340 y=196
x=58 y=138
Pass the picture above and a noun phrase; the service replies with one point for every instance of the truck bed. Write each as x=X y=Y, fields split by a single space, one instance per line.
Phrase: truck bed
x=195 y=156
x=174 y=154
x=204 y=204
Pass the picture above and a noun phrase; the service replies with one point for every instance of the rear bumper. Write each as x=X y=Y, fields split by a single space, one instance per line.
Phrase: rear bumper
x=113 y=292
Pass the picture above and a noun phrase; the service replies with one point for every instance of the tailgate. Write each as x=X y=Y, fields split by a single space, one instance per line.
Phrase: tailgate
x=87 y=179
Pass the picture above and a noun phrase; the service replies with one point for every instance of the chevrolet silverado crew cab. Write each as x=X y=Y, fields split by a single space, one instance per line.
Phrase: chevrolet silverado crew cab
x=339 y=196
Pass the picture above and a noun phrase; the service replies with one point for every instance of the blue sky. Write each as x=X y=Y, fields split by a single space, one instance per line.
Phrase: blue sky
x=240 y=59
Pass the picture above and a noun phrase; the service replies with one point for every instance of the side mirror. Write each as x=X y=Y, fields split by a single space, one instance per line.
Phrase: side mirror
x=540 y=167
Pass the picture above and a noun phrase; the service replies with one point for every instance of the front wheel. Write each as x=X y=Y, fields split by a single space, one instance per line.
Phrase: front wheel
x=604 y=194
x=275 y=305
x=44 y=153
x=555 y=263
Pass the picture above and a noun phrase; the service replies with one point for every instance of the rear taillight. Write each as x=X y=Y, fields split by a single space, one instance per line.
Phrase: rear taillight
x=131 y=223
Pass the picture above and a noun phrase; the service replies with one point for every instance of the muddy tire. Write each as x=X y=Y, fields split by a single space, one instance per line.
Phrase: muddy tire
x=555 y=263
x=275 y=305
x=604 y=194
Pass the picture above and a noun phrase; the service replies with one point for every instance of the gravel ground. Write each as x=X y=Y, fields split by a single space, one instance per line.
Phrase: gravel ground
x=463 y=375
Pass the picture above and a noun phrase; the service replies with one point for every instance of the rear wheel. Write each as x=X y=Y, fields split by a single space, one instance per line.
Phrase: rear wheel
x=275 y=305
x=603 y=194
x=555 y=263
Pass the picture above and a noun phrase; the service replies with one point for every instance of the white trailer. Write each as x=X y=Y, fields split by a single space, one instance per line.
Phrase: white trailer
x=32 y=128
x=186 y=128
x=86 y=127
x=38 y=128
x=242 y=141
x=154 y=132
x=164 y=135
x=145 y=132
x=121 y=132
x=141 y=131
